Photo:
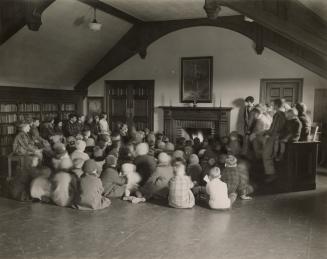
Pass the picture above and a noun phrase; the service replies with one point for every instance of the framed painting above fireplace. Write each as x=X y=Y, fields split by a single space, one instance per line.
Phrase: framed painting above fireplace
x=196 y=80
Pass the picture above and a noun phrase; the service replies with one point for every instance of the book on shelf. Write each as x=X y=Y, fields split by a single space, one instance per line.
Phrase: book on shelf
x=6 y=140
x=7 y=129
x=8 y=118
x=68 y=107
x=50 y=107
x=8 y=108
x=30 y=107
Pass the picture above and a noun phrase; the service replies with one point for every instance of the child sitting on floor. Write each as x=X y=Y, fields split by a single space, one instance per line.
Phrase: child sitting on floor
x=114 y=185
x=194 y=170
x=180 y=194
x=64 y=189
x=236 y=180
x=79 y=152
x=291 y=133
x=217 y=191
x=157 y=185
x=60 y=153
x=91 y=189
x=133 y=180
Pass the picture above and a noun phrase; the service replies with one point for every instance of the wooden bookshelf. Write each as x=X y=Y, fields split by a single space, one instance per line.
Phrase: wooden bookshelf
x=18 y=104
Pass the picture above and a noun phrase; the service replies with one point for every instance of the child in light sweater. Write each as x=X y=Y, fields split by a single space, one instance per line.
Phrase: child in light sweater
x=91 y=189
x=217 y=191
x=180 y=194
x=79 y=152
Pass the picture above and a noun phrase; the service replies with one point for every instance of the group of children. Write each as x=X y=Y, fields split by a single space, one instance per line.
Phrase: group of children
x=85 y=171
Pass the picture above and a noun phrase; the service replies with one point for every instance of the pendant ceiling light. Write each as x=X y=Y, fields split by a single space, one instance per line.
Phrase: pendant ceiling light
x=94 y=25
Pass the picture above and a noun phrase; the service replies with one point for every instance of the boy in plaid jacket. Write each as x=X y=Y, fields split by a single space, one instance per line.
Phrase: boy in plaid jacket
x=180 y=194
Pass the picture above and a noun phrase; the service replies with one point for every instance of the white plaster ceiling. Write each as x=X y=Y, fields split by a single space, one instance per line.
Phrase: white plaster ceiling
x=62 y=51
x=160 y=10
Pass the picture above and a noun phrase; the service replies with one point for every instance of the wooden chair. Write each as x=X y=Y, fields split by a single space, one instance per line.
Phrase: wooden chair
x=12 y=157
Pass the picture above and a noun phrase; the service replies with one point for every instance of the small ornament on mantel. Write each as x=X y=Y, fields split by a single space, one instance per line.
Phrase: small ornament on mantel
x=195 y=97
x=214 y=101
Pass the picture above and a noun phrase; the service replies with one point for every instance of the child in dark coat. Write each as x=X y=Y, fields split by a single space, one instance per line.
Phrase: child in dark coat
x=114 y=184
x=194 y=170
x=145 y=164
x=237 y=181
x=157 y=185
x=91 y=189
x=291 y=133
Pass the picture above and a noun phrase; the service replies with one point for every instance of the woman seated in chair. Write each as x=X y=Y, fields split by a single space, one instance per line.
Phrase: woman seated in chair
x=23 y=143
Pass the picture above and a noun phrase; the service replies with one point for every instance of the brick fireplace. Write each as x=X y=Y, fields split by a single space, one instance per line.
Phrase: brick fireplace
x=216 y=120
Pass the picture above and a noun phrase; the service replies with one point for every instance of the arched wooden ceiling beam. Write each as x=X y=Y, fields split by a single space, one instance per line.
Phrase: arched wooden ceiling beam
x=15 y=14
x=140 y=36
x=289 y=18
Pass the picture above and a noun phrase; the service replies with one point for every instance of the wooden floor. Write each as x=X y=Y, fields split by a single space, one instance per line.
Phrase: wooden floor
x=283 y=226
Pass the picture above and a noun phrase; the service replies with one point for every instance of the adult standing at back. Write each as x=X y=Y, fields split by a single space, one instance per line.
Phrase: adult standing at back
x=248 y=116
x=103 y=124
x=248 y=121
x=275 y=130
x=305 y=120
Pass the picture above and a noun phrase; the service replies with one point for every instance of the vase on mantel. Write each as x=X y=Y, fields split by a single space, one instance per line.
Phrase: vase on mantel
x=194 y=103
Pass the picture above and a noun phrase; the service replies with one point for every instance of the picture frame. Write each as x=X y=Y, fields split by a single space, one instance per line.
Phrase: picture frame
x=94 y=105
x=196 y=79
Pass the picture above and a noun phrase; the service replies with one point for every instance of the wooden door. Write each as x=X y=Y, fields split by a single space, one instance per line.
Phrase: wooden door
x=131 y=102
x=288 y=89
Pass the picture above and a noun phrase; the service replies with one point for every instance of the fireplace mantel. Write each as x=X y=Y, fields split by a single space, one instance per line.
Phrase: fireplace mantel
x=215 y=118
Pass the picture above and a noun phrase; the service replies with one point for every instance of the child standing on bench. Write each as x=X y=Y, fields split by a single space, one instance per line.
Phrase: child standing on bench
x=291 y=133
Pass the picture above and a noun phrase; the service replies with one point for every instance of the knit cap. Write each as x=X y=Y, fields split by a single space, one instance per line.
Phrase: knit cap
x=215 y=172
x=164 y=158
x=231 y=161
x=194 y=159
x=142 y=149
x=111 y=160
x=178 y=153
x=161 y=145
x=80 y=145
x=89 y=166
x=170 y=147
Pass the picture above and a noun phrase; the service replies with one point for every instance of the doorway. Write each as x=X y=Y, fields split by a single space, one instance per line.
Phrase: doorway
x=288 y=89
x=131 y=102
